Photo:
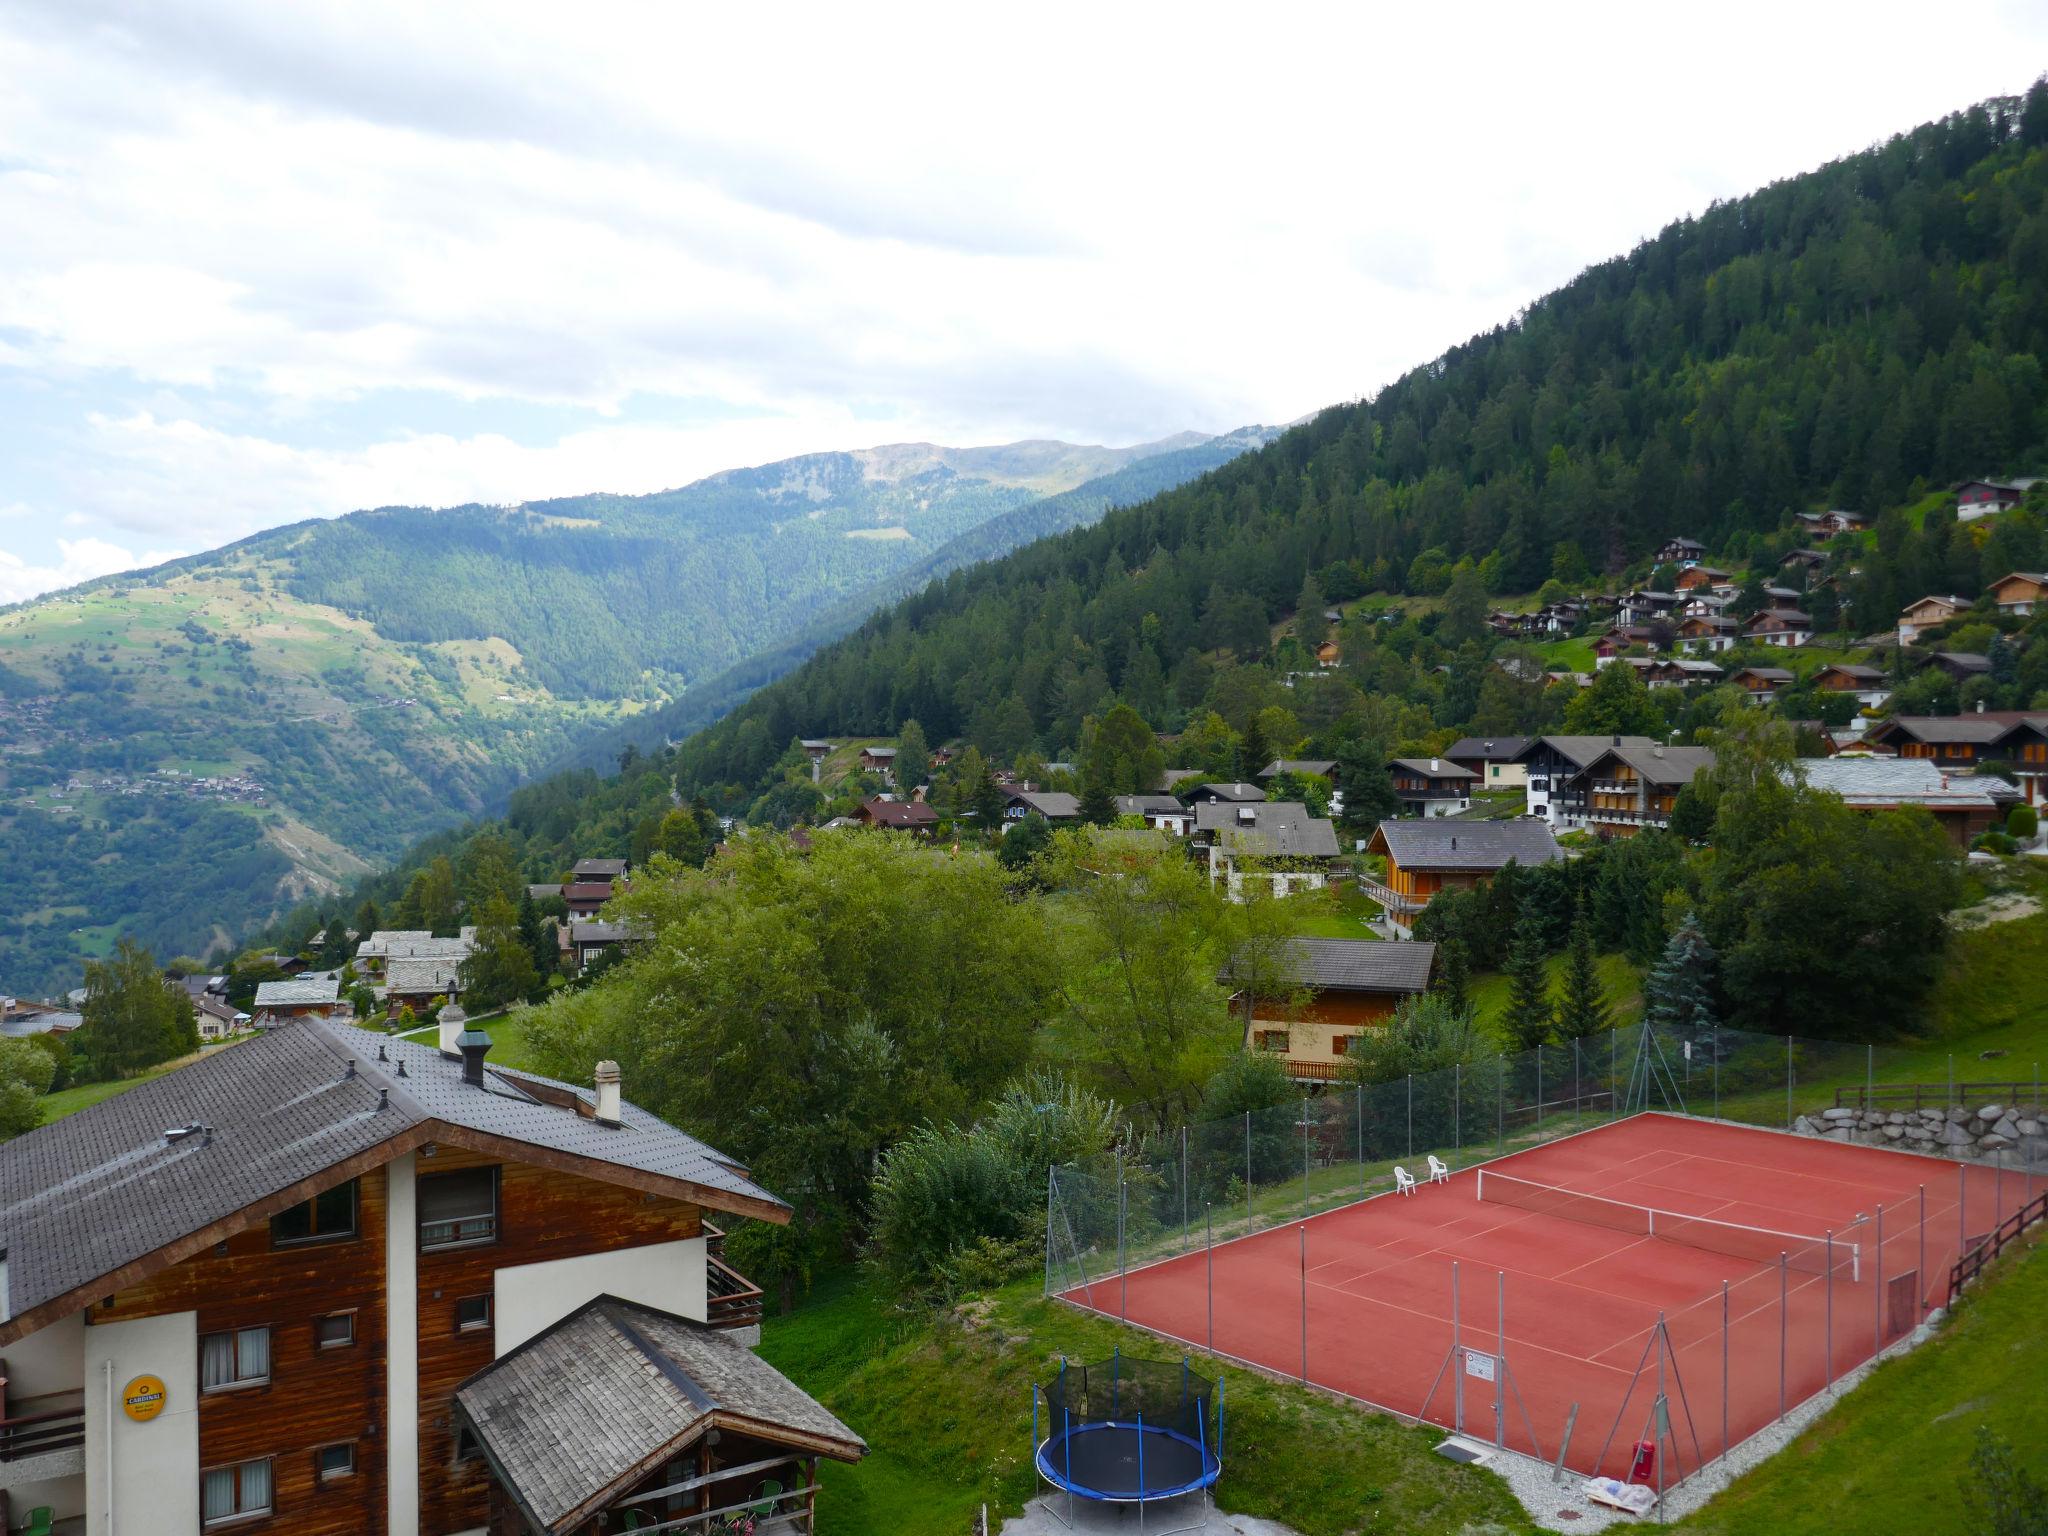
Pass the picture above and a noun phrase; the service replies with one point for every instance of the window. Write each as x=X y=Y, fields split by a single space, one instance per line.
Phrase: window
x=240 y=1358
x=1340 y=1045
x=472 y=1313
x=1272 y=1039
x=457 y=1209
x=332 y=1461
x=231 y=1493
x=335 y=1331
x=328 y=1217
x=466 y=1448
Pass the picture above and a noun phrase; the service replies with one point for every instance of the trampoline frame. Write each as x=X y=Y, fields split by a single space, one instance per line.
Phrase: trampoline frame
x=1210 y=1464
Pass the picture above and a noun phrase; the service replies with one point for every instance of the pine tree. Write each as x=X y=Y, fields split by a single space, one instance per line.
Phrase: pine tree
x=500 y=967
x=1252 y=752
x=1528 y=1019
x=1582 y=1007
x=1678 y=992
x=1098 y=806
x=985 y=799
x=1453 y=975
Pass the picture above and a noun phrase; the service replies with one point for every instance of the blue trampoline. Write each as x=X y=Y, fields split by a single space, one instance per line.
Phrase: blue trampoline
x=1128 y=1432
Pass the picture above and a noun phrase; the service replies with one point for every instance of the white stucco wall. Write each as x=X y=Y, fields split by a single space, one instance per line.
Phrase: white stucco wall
x=401 y=1351
x=51 y=1359
x=154 y=1466
x=529 y=1297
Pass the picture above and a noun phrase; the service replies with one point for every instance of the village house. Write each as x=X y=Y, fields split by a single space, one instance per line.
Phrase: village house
x=1621 y=638
x=1981 y=498
x=1870 y=686
x=1491 y=759
x=582 y=941
x=381 y=1288
x=1708 y=633
x=1961 y=665
x=1696 y=577
x=1762 y=684
x=897 y=815
x=1553 y=763
x=1961 y=805
x=1640 y=607
x=1683 y=672
x=585 y=898
x=817 y=750
x=1628 y=788
x=1278 y=841
x=880 y=761
x=1779 y=626
x=1162 y=813
x=2021 y=592
x=1432 y=786
x=1223 y=794
x=1336 y=990
x=1055 y=805
x=2018 y=737
x=1424 y=857
x=419 y=983
x=1681 y=552
x=1925 y=614
x=297 y=997
x=612 y=872
x=1308 y=767
x=1706 y=602
x=1824 y=526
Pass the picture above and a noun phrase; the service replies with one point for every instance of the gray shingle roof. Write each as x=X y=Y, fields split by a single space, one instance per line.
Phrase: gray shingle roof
x=1659 y=765
x=1237 y=792
x=568 y=1417
x=297 y=992
x=1434 y=768
x=1052 y=804
x=1320 y=766
x=85 y=1195
x=1276 y=829
x=1154 y=805
x=422 y=977
x=1581 y=749
x=1488 y=749
x=598 y=869
x=1880 y=781
x=1361 y=965
x=1440 y=843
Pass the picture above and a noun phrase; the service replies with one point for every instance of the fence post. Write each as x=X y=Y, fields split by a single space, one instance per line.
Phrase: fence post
x=1458 y=1105
x=1877 y=1303
x=1359 y=1092
x=1828 y=1335
x=1784 y=1300
x=1949 y=1106
x=1304 y=1303
x=1539 y=1093
x=1183 y=1188
x=1921 y=1270
x=1248 y=1222
x=1716 y=1035
x=1500 y=1107
x=1411 y=1117
x=1123 y=1279
x=1788 y=1082
x=1304 y=1152
x=1962 y=1209
x=1578 y=1084
x=1209 y=1225
x=1724 y=1370
x=1869 y=1075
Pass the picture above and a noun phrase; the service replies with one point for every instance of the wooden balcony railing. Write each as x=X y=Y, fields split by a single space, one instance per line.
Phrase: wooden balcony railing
x=54 y=1429
x=731 y=1299
x=1388 y=897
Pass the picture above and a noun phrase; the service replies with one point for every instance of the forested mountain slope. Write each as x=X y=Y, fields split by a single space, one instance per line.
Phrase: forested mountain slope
x=185 y=751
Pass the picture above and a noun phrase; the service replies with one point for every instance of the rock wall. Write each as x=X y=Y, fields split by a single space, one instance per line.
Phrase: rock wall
x=2007 y=1135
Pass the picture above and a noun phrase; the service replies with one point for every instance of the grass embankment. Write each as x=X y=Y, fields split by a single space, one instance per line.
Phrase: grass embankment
x=1341 y=912
x=1618 y=979
x=945 y=1404
x=1893 y=1455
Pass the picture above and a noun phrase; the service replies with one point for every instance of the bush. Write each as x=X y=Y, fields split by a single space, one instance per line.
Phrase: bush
x=1996 y=842
x=2022 y=823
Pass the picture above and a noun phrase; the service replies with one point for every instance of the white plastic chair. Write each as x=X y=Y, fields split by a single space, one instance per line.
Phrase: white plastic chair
x=1404 y=1181
x=1438 y=1173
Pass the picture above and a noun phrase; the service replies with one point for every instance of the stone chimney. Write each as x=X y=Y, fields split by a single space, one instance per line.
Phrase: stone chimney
x=474 y=1045
x=453 y=1022
x=607 y=1093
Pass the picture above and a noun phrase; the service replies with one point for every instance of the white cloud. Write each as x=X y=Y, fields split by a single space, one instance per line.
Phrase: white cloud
x=79 y=560
x=239 y=232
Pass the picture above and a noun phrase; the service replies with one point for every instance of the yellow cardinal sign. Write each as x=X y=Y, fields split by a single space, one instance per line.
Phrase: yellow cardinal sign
x=143 y=1398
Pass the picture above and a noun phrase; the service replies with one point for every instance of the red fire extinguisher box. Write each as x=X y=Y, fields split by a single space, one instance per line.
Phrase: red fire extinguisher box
x=1645 y=1468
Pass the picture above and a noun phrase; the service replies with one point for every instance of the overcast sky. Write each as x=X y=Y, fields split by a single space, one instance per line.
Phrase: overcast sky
x=262 y=262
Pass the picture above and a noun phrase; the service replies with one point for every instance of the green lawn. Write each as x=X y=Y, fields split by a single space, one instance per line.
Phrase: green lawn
x=1342 y=912
x=1572 y=655
x=508 y=1039
x=1620 y=980
x=1892 y=1455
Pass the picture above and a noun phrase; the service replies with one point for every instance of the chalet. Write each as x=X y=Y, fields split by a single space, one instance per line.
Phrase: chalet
x=1823 y=526
x=1628 y=788
x=299 y=997
x=585 y=898
x=1870 y=685
x=880 y=761
x=1274 y=840
x=217 y=1018
x=1706 y=602
x=1561 y=618
x=1681 y=552
x=1640 y=607
x=1424 y=857
x=817 y=749
x=1926 y=614
x=1328 y=654
x=1981 y=498
x=1808 y=560
x=1337 y=988
x=581 y=942
x=1623 y=637
x=1684 y=672
x=1762 y=684
x=1554 y=762
x=1054 y=805
x=1698 y=577
x=1223 y=794
x=2022 y=592
x=1162 y=813
x=1492 y=759
x=1173 y=778
x=897 y=815
x=2015 y=736
x=345 y=1303
x=1779 y=626
x=1708 y=633
x=419 y=983
x=600 y=872
x=1961 y=665
x=1432 y=786
x=1959 y=803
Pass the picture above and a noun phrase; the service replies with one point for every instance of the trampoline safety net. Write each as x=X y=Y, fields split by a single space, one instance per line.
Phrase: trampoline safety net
x=1128 y=1430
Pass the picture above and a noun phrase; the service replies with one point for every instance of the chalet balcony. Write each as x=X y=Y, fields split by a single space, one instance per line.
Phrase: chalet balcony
x=40 y=1437
x=1314 y=1071
x=1390 y=898
x=731 y=1299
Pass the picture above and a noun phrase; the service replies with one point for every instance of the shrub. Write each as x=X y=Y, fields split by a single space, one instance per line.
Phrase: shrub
x=2022 y=822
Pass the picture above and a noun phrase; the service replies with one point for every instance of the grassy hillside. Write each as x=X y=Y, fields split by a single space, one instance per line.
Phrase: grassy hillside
x=187 y=751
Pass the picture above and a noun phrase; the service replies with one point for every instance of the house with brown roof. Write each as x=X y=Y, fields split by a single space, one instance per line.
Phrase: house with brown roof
x=880 y=761
x=1762 y=684
x=1779 y=626
x=1328 y=992
x=1870 y=685
x=1961 y=665
x=584 y=898
x=1802 y=560
x=1680 y=551
x=2021 y=592
x=1695 y=577
x=327 y=1282
x=898 y=815
x=1918 y=617
x=1425 y=857
x=1706 y=633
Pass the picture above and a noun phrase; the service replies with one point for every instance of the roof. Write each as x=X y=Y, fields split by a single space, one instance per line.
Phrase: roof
x=1433 y=767
x=578 y=1412
x=1174 y=776
x=1580 y=749
x=379 y=943
x=299 y=992
x=1276 y=829
x=1488 y=749
x=614 y=868
x=1764 y=674
x=1236 y=792
x=418 y=944
x=1883 y=781
x=901 y=813
x=1951 y=601
x=593 y=932
x=877 y=751
x=420 y=976
x=1785 y=616
x=587 y=890
x=1323 y=767
x=1360 y=965
x=1658 y=765
x=1439 y=843
x=1052 y=804
x=1963 y=661
x=97 y=1191
x=1980 y=728
x=1149 y=805
x=2038 y=578
x=1682 y=543
x=1850 y=669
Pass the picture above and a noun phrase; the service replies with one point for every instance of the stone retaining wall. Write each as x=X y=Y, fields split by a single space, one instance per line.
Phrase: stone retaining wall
x=2007 y=1135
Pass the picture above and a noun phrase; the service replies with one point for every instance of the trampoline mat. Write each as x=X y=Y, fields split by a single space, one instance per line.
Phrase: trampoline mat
x=1101 y=1461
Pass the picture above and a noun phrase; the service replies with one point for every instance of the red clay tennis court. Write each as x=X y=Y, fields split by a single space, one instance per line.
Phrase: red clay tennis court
x=1776 y=1263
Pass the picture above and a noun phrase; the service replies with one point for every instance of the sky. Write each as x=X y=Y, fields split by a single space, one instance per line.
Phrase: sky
x=266 y=262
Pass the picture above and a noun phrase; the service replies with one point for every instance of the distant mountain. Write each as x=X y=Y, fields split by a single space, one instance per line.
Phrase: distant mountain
x=186 y=751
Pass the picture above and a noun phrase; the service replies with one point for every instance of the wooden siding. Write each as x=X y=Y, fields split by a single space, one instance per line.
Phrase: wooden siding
x=314 y=1396
x=542 y=1214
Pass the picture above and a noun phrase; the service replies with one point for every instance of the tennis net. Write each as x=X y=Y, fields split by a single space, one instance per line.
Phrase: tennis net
x=1760 y=1245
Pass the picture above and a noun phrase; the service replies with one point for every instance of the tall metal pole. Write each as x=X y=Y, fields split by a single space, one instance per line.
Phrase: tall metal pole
x=1869 y=1076
x=1183 y=1189
x=1578 y=1083
x=1920 y=1269
x=1962 y=1208
x=1724 y=1369
x=1360 y=1092
x=1784 y=1309
x=1828 y=1337
x=1500 y=1359
x=1123 y=1275
x=1539 y=1093
x=1248 y=1223
x=1500 y=1107
x=1457 y=1359
x=1716 y=1048
x=1877 y=1303
x=1304 y=1152
x=1209 y=1226
x=1411 y=1117
x=1304 y=1304
x=1458 y=1105
x=1788 y=1082
x=1951 y=1104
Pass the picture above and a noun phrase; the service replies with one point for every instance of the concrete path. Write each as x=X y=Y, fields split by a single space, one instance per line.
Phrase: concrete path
x=1040 y=1519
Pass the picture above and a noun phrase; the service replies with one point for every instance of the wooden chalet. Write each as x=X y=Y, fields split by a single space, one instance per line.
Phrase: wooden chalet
x=1918 y=617
x=1553 y=765
x=1432 y=786
x=1162 y=813
x=1870 y=685
x=1779 y=626
x=613 y=872
x=1641 y=606
x=1625 y=789
x=1707 y=633
x=880 y=761
x=2018 y=737
x=1961 y=805
x=1762 y=684
x=1981 y=498
x=584 y=898
x=1808 y=560
x=1961 y=665
x=1332 y=990
x=1680 y=552
x=898 y=815
x=1276 y=841
x=322 y=1318
x=1695 y=577
x=582 y=941
x=2021 y=592
x=1622 y=638
x=1424 y=857
x=1492 y=758
x=1824 y=526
